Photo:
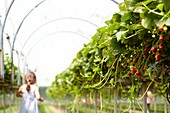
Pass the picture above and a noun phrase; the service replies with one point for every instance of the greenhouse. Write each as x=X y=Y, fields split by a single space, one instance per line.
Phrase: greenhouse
x=85 y=56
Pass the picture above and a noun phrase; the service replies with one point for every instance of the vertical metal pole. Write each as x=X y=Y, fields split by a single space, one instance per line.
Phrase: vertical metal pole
x=115 y=100
x=168 y=108
x=1 y=39
x=154 y=104
x=95 y=101
x=4 y=100
x=110 y=105
x=165 y=106
x=144 y=100
x=77 y=101
x=1 y=75
x=18 y=77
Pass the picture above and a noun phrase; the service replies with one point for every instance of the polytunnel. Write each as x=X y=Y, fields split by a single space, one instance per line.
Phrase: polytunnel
x=122 y=65
x=47 y=34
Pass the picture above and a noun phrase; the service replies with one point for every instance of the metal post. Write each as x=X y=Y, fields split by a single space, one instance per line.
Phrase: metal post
x=1 y=51
x=110 y=105
x=165 y=106
x=144 y=99
x=18 y=77
x=168 y=108
x=155 y=104
x=1 y=39
x=115 y=100
x=95 y=101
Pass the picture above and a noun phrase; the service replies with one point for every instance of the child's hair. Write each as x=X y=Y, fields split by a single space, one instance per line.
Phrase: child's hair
x=30 y=73
x=32 y=79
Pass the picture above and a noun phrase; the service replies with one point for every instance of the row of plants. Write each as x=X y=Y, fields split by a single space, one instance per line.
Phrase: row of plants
x=8 y=64
x=130 y=53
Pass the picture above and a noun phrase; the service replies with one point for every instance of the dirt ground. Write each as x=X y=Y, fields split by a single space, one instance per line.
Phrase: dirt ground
x=56 y=110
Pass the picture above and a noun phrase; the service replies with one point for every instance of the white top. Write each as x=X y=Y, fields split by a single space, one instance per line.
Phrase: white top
x=29 y=102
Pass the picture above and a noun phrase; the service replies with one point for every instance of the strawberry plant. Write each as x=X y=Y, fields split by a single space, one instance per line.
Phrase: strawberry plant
x=8 y=71
x=133 y=46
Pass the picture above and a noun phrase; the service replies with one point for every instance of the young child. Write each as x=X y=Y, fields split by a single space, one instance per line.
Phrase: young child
x=30 y=94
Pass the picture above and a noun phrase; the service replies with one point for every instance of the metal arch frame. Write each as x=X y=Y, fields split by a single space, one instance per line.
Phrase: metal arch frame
x=64 y=18
x=115 y=2
x=13 y=43
x=53 y=33
x=1 y=40
x=15 y=36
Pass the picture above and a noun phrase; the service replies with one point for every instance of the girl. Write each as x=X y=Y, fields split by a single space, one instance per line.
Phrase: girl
x=30 y=94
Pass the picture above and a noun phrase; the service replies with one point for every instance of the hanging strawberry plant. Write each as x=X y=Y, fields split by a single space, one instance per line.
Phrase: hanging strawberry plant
x=8 y=71
x=130 y=52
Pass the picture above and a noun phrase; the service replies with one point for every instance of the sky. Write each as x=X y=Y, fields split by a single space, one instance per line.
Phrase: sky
x=53 y=33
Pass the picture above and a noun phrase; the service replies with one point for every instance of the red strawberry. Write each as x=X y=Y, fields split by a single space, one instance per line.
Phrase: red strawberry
x=135 y=60
x=146 y=52
x=153 y=49
x=134 y=70
x=161 y=28
x=138 y=56
x=138 y=73
x=161 y=39
x=145 y=43
x=129 y=73
x=157 y=59
x=158 y=55
x=144 y=69
x=128 y=61
x=161 y=47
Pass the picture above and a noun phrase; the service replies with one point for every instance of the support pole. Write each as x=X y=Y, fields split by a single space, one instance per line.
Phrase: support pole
x=144 y=99
x=4 y=100
x=115 y=100
x=165 y=106
x=110 y=106
x=155 y=104
x=95 y=102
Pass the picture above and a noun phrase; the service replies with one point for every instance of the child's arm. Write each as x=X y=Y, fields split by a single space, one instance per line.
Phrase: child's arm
x=19 y=92
x=37 y=94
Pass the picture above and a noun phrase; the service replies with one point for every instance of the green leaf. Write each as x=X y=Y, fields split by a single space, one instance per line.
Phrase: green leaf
x=128 y=2
x=112 y=81
x=162 y=22
x=126 y=16
x=136 y=26
x=116 y=17
x=160 y=7
x=139 y=9
x=122 y=6
x=92 y=51
x=116 y=46
x=97 y=69
x=148 y=71
x=105 y=42
x=120 y=34
x=97 y=60
x=166 y=4
x=147 y=23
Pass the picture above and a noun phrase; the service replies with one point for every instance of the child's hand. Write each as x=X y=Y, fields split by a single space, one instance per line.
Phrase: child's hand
x=41 y=99
x=19 y=94
x=28 y=87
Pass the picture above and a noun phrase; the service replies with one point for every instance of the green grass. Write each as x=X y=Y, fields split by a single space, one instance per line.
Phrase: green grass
x=8 y=109
x=44 y=108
